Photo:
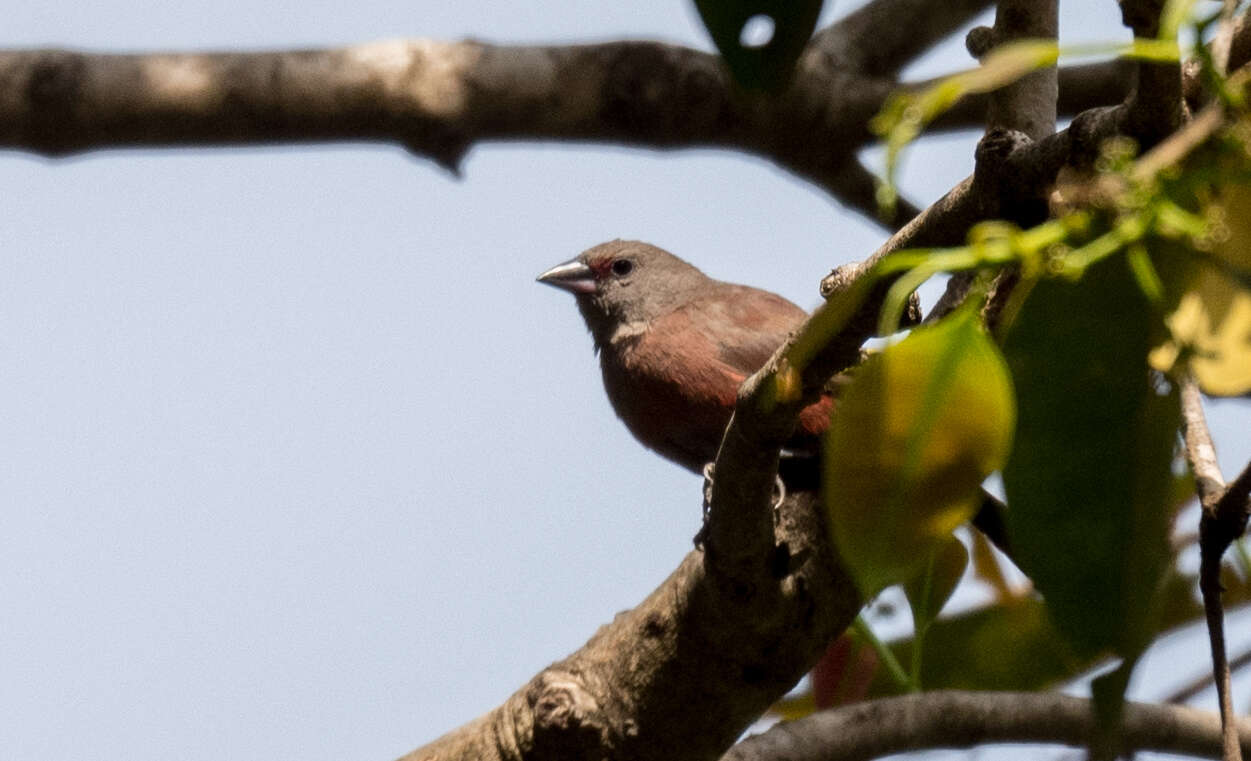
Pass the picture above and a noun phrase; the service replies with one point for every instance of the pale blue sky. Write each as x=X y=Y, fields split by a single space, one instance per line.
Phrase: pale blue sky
x=298 y=461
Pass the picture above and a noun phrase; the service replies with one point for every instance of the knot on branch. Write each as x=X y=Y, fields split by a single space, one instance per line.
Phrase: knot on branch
x=1225 y=522
x=979 y=41
x=568 y=721
x=1143 y=16
x=441 y=143
x=1088 y=131
x=992 y=154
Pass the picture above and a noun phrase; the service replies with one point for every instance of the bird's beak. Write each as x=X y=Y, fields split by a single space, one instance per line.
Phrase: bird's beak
x=572 y=276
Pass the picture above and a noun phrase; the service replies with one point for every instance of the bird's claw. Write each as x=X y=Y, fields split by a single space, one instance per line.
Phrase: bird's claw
x=779 y=496
x=709 y=468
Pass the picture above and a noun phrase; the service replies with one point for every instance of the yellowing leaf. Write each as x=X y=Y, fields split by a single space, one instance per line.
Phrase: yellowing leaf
x=1212 y=323
x=1210 y=328
x=919 y=428
x=986 y=567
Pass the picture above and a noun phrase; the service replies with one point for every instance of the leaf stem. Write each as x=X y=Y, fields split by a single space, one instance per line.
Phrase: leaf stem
x=884 y=655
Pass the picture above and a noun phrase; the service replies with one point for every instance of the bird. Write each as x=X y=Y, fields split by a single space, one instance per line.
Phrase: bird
x=674 y=346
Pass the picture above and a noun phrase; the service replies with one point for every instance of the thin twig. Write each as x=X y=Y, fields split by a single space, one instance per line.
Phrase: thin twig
x=953 y=719
x=1214 y=538
x=1200 y=451
x=1223 y=41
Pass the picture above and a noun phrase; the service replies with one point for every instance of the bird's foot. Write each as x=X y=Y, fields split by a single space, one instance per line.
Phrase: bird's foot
x=709 y=468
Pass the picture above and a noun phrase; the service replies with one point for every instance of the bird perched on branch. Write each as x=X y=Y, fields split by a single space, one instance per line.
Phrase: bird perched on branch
x=675 y=345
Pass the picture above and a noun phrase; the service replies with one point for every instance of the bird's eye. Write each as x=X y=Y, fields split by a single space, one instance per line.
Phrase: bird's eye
x=622 y=267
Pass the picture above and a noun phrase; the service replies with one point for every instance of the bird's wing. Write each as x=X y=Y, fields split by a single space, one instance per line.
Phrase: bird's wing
x=745 y=324
x=675 y=385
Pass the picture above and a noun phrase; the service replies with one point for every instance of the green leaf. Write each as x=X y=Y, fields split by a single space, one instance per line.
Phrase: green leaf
x=1089 y=479
x=1011 y=646
x=917 y=431
x=765 y=66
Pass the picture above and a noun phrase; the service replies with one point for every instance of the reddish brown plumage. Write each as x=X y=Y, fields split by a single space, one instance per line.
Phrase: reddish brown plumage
x=675 y=345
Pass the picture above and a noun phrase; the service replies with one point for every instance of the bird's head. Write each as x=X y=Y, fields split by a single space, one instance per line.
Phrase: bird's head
x=622 y=285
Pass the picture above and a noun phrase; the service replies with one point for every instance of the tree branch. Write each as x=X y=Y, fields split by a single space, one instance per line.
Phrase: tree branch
x=950 y=719
x=1021 y=112
x=435 y=98
x=883 y=36
x=1215 y=535
x=1093 y=85
x=684 y=673
x=1200 y=451
x=1027 y=105
x=1155 y=107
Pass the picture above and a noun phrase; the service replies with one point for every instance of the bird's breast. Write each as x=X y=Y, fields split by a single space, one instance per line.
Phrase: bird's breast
x=671 y=400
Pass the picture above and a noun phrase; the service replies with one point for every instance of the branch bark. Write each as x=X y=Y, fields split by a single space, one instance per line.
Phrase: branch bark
x=683 y=674
x=1028 y=105
x=435 y=98
x=438 y=99
x=950 y=719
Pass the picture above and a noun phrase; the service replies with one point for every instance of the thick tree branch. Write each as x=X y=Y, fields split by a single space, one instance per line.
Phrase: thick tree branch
x=966 y=719
x=1155 y=107
x=1027 y=105
x=436 y=98
x=1017 y=114
x=684 y=673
